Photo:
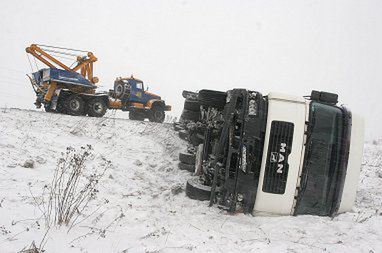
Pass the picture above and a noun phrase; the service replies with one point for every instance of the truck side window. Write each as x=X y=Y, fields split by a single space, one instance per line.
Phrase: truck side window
x=140 y=86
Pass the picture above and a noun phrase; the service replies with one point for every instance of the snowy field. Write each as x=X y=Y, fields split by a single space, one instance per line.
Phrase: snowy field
x=141 y=205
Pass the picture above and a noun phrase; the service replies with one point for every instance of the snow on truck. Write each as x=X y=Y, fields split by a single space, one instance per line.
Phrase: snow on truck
x=72 y=90
x=271 y=155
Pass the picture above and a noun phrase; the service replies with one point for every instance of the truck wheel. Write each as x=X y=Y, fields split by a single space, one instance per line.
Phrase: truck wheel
x=157 y=115
x=120 y=89
x=191 y=105
x=211 y=98
x=74 y=105
x=177 y=127
x=188 y=167
x=183 y=134
x=196 y=139
x=97 y=107
x=190 y=115
x=60 y=108
x=135 y=116
x=196 y=190
x=47 y=108
x=187 y=158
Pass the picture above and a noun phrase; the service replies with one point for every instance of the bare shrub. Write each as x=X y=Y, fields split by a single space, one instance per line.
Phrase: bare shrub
x=5 y=109
x=72 y=187
x=32 y=249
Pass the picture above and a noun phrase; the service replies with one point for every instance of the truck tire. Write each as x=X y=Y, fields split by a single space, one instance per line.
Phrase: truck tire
x=61 y=106
x=96 y=107
x=196 y=190
x=74 y=105
x=211 y=98
x=157 y=114
x=135 y=116
x=191 y=105
x=177 y=127
x=187 y=158
x=121 y=90
x=190 y=115
x=188 y=167
x=183 y=134
x=47 y=108
x=195 y=139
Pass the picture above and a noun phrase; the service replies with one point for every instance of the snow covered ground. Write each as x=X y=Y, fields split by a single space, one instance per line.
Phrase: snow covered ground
x=141 y=205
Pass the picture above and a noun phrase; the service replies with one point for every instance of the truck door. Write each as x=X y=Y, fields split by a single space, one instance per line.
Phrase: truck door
x=137 y=91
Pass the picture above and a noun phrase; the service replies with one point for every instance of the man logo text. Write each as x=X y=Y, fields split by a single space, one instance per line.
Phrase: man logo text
x=280 y=166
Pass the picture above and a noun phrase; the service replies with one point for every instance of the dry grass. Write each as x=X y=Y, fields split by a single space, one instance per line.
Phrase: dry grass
x=72 y=188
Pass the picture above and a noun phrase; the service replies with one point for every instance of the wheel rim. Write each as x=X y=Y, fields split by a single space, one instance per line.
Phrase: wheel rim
x=74 y=105
x=98 y=107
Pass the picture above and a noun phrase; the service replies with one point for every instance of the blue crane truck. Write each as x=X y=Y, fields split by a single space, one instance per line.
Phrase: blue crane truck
x=72 y=90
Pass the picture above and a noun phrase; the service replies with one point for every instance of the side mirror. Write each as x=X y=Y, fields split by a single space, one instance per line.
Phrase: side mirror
x=147 y=88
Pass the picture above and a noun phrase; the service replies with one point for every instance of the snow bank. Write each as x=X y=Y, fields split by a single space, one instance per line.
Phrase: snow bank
x=139 y=207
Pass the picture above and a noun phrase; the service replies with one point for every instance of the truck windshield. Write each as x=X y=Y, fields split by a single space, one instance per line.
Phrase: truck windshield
x=321 y=175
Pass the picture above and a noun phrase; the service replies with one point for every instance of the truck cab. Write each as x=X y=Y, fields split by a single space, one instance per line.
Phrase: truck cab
x=312 y=157
x=284 y=155
x=132 y=96
x=138 y=93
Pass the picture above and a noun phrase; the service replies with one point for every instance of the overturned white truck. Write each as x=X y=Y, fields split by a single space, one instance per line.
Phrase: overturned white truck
x=274 y=154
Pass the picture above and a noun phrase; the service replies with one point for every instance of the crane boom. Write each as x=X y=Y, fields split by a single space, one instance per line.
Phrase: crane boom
x=84 y=64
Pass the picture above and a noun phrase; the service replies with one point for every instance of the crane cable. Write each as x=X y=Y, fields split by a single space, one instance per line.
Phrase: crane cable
x=35 y=62
x=70 y=49
x=58 y=56
x=30 y=64
x=33 y=83
x=59 y=52
x=61 y=57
